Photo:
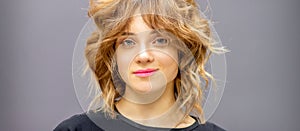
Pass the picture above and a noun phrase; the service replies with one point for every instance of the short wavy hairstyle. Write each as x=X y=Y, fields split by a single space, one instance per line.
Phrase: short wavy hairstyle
x=179 y=17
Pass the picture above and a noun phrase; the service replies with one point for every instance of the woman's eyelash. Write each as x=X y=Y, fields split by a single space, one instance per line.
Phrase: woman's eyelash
x=158 y=41
x=161 y=41
x=128 y=43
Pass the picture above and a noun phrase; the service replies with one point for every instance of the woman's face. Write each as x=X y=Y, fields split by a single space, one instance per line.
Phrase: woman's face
x=146 y=59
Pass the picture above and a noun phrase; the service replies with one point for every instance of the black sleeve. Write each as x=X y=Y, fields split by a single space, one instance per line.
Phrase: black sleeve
x=213 y=127
x=77 y=123
x=208 y=127
x=217 y=128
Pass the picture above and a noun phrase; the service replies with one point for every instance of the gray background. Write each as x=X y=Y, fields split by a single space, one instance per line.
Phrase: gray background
x=38 y=37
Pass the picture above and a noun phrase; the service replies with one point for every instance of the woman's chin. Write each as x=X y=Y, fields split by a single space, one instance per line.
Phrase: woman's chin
x=143 y=89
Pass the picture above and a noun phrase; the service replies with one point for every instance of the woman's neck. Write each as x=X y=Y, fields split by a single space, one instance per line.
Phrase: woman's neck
x=163 y=112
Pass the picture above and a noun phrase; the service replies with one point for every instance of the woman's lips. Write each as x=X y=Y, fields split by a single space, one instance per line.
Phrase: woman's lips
x=145 y=72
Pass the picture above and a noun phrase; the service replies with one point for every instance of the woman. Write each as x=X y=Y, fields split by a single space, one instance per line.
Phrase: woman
x=146 y=57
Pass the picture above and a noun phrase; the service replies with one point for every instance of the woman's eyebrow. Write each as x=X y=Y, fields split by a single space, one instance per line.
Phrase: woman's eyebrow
x=128 y=33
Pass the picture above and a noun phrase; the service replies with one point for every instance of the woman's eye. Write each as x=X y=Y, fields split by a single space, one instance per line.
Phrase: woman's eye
x=128 y=43
x=161 y=42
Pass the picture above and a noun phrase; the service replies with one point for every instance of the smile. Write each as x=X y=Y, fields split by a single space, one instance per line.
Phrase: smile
x=145 y=73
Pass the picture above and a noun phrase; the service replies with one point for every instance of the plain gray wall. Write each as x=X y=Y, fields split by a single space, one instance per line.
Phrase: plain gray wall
x=262 y=90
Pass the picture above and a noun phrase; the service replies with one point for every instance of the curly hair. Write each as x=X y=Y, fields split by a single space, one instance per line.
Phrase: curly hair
x=179 y=17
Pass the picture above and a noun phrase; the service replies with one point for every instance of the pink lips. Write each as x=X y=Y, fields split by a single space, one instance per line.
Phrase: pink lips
x=144 y=73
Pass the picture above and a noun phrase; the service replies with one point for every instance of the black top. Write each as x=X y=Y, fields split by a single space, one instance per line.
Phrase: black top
x=98 y=122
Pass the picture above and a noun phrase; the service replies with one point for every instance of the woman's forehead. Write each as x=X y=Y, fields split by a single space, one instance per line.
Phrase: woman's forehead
x=138 y=25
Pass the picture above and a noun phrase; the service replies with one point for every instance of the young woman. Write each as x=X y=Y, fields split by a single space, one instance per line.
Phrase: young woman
x=148 y=59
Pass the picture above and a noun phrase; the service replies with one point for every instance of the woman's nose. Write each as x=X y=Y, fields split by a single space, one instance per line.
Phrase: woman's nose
x=144 y=57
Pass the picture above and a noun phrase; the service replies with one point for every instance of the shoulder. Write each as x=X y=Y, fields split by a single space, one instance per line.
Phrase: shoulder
x=78 y=122
x=208 y=126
